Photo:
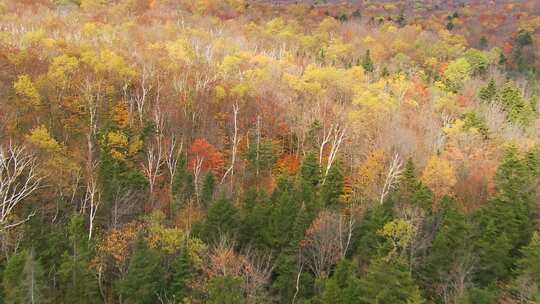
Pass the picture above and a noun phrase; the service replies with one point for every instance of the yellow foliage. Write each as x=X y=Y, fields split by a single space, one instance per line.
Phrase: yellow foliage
x=439 y=176
x=41 y=137
x=61 y=67
x=120 y=115
x=180 y=50
x=118 y=142
x=33 y=37
x=25 y=88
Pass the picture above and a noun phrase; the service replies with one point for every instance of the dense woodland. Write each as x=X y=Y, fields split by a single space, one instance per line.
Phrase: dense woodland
x=235 y=151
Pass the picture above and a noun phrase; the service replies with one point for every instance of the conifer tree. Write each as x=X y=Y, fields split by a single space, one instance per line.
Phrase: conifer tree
x=527 y=281
x=488 y=92
x=182 y=269
x=332 y=188
x=78 y=282
x=225 y=290
x=222 y=219
x=13 y=276
x=392 y=273
x=207 y=192
x=367 y=63
x=143 y=281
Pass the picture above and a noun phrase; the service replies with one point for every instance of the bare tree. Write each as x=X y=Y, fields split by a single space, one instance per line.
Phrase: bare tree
x=334 y=137
x=18 y=180
x=392 y=176
x=154 y=154
x=235 y=140
x=327 y=241
x=92 y=200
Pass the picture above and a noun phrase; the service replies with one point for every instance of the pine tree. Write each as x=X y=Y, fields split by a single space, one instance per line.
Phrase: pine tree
x=504 y=223
x=33 y=280
x=182 y=186
x=332 y=188
x=143 y=281
x=225 y=290
x=13 y=277
x=222 y=219
x=79 y=284
x=182 y=273
x=207 y=192
x=413 y=191
x=393 y=274
x=332 y=293
x=451 y=250
x=488 y=92
x=367 y=63
x=255 y=216
x=527 y=281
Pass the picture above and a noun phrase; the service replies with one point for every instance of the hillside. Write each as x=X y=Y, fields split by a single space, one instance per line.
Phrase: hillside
x=234 y=151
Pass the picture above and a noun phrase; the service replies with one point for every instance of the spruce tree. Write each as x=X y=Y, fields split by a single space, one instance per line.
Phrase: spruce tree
x=488 y=92
x=208 y=187
x=367 y=63
x=526 y=284
x=332 y=188
x=143 y=282
x=225 y=290
x=13 y=277
x=388 y=280
x=33 y=280
x=504 y=223
x=222 y=219
x=78 y=282
x=182 y=273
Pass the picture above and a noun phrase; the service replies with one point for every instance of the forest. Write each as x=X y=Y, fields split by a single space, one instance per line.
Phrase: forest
x=257 y=152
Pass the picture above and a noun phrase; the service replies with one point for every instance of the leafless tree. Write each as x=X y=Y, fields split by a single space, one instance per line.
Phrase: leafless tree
x=392 y=176
x=334 y=136
x=18 y=180
x=235 y=140
x=327 y=241
x=154 y=154
x=92 y=201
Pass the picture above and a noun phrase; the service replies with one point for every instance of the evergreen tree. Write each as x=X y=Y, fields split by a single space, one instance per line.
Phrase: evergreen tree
x=504 y=224
x=392 y=273
x=310 y=178
x=367 y=63
x=13 y=277
x=143 y=281
x=488 y=92
x=451 y=251
x=181 y=275
x=79 y=284
x=255 y=215
x=413 y=191
x=33 y=280
x=208 y=186
x=225 y=290
x=222 y=219
x=182 y=186
x=332 y=188
x=332 y=294
x=526 y=285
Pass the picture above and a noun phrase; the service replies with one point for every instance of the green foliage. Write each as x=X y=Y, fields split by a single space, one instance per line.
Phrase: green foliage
x=519 y=111
x=473 y=120
x=478 y=61
x=144 y=280
x=208 y=187
x=394 y=275
x=225 y=290
x=488 y=92
x=13 y=277
x=332 y=188
x=222 y=220
x=367 y=63
x=457 y=72
x=78 y=280
x=504 y=223
x=181 y=275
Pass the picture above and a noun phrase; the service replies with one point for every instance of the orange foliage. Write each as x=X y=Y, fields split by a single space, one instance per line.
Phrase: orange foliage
x=289 y=163
x=202 y=150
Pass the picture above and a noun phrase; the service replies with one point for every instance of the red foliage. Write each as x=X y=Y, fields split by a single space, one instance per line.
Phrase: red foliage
x=202 y=150
x=289 y=162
